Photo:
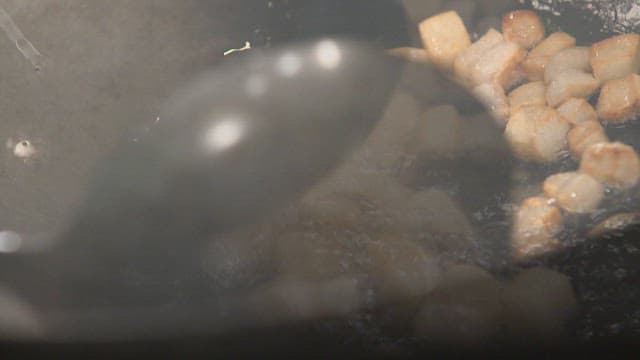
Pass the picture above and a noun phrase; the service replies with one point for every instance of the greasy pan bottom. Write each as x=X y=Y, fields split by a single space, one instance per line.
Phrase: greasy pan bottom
x=604 y=273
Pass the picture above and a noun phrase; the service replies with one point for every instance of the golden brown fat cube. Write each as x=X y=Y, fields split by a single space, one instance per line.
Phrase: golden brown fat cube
x=415 y=55
x=569 y=84
x=498 y=64
x=444 y=36
x=577 y=111
x=535 y=63
x=619 y=99
x=533 y=93
x=537 y=133
x=464 y=63
x=523 y=27
x=616 y=57
x=549 y=141
x=585 y=134
x=575 y=192
x=575 y=58
x=535 y=227
x=493 y=97
x=614 y=164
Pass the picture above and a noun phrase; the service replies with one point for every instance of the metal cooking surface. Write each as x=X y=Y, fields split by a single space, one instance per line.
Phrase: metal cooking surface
x=108 y=67
x=595 y=17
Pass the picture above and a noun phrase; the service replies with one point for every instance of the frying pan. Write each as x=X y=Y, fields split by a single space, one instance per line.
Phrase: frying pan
x=108 y=70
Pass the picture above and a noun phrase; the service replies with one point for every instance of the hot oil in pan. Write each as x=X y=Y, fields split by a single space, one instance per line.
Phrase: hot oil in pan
x=603 y=266
x=589 y=19
x=374 y=238
x=386 y=185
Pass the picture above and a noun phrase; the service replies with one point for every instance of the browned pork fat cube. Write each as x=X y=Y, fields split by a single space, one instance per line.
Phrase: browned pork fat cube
x=521 y=129
x=444 y=36
x=535 y=63
x=411 y=54
x=553 y=44
x=577 y=111
x=498 y=64
x=616 y=57
x=576 y=58
x=569 y=84
x=465 y=62
x=537 y=133
x=575 y=192
x=614 y=164
x=523 y=27
x=533 y=93
x=550 y=141
x=493 y=97
x=619 y=99
x=535 y=227
x=585 y=134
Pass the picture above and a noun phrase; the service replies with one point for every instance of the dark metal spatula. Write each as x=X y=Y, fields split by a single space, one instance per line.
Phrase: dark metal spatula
x=236 y=143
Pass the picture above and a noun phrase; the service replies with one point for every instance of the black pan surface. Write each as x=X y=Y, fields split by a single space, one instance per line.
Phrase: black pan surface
x=115 y=63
